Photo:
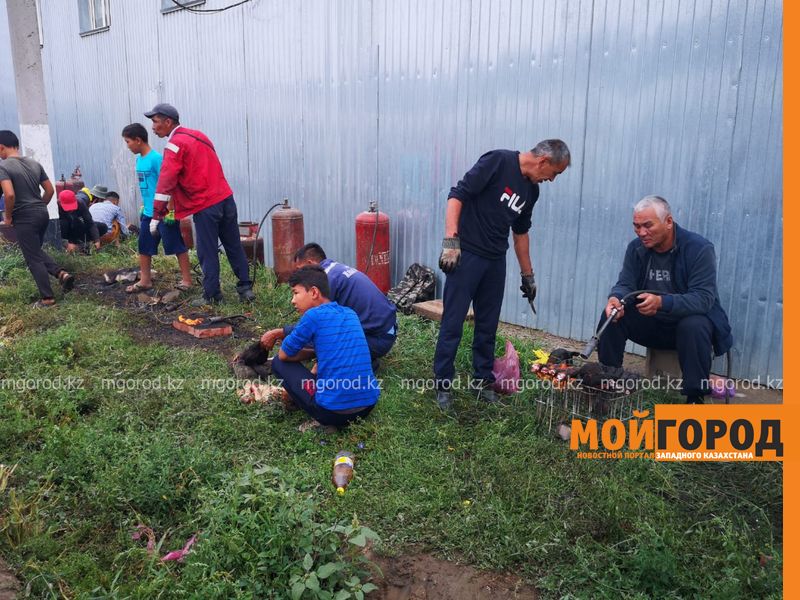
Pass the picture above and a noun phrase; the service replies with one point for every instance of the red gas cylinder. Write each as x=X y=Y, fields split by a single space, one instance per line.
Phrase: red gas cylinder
x=374 y=225
x=253 y=247
x=287 y=238
x=74 y=183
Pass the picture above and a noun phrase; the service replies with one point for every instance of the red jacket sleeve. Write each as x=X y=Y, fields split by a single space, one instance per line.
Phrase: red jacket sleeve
x=171 y=168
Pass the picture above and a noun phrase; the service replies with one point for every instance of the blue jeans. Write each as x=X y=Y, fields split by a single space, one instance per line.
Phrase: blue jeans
x=297 y=380
x=380 y=344
x=220 y=222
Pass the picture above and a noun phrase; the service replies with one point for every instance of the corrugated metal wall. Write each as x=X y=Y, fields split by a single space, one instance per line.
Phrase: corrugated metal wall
x=8 y=98
x=336 y=104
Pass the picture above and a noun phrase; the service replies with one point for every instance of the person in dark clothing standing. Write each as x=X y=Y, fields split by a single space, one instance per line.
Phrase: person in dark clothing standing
x=496 y=195
x=26 y=210
x=684 y=313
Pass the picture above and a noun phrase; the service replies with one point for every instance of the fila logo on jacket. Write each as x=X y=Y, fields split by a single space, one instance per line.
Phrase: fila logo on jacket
x=513 y=200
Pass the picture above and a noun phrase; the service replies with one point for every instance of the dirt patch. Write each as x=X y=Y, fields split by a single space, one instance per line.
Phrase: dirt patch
x=9 y=586
x=424 y=577
x=153 y=322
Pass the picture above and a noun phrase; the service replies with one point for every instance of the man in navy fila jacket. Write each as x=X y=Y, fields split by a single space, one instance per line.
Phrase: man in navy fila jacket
x=497 y=194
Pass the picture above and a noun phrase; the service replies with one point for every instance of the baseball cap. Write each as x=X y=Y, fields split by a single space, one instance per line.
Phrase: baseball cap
x=67 y=200
x=163 y=109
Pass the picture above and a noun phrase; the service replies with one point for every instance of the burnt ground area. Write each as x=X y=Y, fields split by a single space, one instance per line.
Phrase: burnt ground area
x=9 y=586
x=424 y=577
x=151 y=321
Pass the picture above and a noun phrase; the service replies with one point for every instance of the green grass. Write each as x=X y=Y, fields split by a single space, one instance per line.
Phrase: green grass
x=490 y=487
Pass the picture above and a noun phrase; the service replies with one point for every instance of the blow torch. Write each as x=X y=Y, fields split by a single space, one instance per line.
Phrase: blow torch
x=592 y=343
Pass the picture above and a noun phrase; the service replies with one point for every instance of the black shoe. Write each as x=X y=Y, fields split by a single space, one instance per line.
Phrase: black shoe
x=376 y=364
x=694 y=400
x=484 y=390
x=488 y=395
x=247 y=295
x=444 y=400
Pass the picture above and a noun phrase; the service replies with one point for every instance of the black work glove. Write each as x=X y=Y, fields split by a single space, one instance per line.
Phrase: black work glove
x=528 y=287
x=450 y=257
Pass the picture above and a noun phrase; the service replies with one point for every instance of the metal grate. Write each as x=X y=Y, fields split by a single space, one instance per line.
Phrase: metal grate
x=563 y=405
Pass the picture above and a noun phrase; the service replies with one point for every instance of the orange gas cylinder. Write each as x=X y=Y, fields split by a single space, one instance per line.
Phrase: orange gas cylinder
x=74 y=183
x=374 y=225
x=287 y=238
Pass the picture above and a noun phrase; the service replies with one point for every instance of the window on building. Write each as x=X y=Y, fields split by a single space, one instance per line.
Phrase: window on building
x=95 y=16
x=168 y=6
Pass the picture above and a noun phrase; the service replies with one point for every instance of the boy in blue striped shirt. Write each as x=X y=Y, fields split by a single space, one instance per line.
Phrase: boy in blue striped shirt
x=344 y=387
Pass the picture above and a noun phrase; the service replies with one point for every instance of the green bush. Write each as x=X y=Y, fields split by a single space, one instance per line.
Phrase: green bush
x=10 y=260
x=264 y=538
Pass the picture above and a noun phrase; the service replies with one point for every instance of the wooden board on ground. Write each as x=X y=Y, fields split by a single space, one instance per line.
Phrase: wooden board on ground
x=432 y=309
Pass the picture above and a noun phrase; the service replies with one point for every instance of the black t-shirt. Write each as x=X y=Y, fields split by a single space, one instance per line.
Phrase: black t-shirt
x=495 y=196
x=25 y=175
x=659 y=272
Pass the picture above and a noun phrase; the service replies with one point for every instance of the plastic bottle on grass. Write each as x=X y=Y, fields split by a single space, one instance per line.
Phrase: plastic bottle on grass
x=342 y=471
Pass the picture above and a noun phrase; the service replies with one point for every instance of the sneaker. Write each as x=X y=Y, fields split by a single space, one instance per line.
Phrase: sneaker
x=317 y=427
x=247 y=295
x=43 y=304
x=484 y=390
x=203 y=301
x=376 y=364
x=488 y=395
x=444 y=400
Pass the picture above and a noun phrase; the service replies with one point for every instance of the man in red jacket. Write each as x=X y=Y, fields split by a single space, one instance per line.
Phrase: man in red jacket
x=191 y=182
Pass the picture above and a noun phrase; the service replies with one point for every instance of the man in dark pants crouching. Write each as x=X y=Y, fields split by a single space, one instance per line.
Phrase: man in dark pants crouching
x=684 y=313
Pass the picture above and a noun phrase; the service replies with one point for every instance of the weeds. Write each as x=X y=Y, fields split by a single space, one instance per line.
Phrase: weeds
x=11 y=262
x=264 y=536
x=490 y=487
x=21 y=516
